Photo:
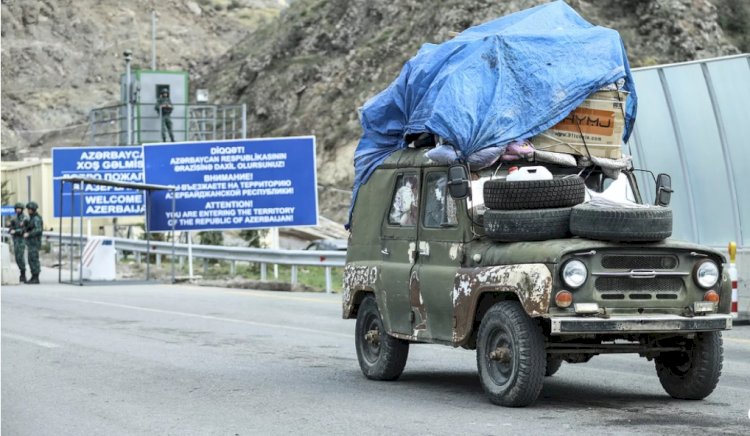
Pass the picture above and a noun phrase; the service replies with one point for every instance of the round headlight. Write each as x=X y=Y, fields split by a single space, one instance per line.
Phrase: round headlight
x=574 y=273
x=707 y=274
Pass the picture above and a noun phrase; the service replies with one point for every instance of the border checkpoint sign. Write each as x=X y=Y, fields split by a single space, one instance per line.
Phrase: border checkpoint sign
x=123 y=164
x=234 y=184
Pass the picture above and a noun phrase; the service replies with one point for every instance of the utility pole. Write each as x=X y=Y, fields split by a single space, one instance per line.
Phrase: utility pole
x=153 y=39
x=128 y=55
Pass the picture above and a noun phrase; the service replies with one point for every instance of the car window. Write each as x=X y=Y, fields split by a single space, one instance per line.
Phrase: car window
x=405 y=200
x=440 y=208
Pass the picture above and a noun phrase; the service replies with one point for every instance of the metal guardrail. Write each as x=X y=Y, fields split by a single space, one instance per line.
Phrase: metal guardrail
x=293 y=258
x=191 y=122
x=219 y=252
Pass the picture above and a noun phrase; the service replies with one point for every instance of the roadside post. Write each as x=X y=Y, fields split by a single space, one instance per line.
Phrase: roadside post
x=733 y=278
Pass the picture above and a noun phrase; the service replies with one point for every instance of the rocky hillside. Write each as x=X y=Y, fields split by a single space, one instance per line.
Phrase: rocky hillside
x=311 y=70
x=60 y=58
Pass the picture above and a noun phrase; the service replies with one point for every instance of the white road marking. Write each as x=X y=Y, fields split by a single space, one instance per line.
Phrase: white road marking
x=29 y=340
x=214 y=318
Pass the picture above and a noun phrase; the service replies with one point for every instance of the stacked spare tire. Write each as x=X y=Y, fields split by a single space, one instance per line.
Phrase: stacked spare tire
x=537 y=210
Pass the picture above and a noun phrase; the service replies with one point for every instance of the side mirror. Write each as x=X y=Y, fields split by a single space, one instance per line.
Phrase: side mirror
x=458 y=181
x=663 y=189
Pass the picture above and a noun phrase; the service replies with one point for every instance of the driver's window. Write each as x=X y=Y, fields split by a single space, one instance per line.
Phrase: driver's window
x=440 y=207
x=405 y=200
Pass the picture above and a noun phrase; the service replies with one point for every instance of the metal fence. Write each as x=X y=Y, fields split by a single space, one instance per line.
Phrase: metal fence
x=184 y=252
x=190 y=122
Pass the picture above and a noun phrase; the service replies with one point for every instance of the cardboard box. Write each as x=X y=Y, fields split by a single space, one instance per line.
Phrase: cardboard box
x=599 y=121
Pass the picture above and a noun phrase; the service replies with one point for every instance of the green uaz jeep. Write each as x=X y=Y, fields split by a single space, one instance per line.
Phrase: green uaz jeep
x=421 y=268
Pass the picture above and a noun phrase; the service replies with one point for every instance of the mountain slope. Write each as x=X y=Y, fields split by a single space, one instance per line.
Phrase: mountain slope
x=60 y=58
x=308 y=72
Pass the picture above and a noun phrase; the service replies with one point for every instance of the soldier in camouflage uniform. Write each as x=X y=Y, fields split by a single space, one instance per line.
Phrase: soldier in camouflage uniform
x=16 y=230
x=164 y=108
x=33 y=236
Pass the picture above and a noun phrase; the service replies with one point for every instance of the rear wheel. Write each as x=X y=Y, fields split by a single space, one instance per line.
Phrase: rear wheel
x=510 y=355
x=694 y=373
x=381 y=357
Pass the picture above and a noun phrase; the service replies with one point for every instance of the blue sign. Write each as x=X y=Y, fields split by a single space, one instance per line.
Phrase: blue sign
x=123 y=164
x=238 y=184
x=8 y=211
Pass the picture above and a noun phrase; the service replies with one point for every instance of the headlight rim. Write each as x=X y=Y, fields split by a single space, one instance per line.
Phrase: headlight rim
x=697 y=268
x=565 y=266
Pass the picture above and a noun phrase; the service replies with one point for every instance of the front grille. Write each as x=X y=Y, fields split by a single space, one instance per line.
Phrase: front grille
x=628 y=284
x=629 y=262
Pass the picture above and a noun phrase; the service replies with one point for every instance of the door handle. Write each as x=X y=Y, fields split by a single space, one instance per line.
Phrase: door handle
x=385 y=252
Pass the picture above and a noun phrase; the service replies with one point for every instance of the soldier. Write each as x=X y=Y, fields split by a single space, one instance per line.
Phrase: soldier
x=33 y=237
x=164 y=108
x=16 y=230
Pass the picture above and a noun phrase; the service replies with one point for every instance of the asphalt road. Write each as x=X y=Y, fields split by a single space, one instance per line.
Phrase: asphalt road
x=187 y=360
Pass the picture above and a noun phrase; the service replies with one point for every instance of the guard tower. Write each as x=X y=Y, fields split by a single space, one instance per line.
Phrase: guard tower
x=197 y=121
x=147 y=85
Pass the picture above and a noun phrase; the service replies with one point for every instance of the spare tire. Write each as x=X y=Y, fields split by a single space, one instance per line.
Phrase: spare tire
x=621 y=224
x=534 y=194
x=527 y=225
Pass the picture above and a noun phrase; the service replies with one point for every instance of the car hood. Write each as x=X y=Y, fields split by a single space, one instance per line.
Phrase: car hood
x=553 y=250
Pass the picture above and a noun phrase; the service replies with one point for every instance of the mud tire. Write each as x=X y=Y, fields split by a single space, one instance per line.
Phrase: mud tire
x=517 y=382
x=694 y=374
x=534 y=194
x=621 y=224
x=386 y=360
x=527 y=225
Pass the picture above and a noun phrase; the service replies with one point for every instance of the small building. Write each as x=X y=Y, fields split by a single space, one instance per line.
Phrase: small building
x=147 y=86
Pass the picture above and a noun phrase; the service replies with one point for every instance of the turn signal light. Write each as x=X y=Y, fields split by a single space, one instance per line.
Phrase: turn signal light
x=564 y=299
x=711 y=296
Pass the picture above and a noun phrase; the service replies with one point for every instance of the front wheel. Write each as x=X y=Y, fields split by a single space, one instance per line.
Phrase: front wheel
x=510 y=355
x=381 y=357
x=553 y=365
x=692 y=374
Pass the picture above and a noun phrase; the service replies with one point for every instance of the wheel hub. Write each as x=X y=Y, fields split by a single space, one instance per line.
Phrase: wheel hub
x=373 y=337
x=500 y=354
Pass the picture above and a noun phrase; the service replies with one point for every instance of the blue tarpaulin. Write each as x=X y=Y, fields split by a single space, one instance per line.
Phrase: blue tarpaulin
x=501 y=81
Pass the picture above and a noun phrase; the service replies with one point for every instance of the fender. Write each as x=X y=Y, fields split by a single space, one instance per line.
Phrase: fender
x=530 y=282
x=358 y=279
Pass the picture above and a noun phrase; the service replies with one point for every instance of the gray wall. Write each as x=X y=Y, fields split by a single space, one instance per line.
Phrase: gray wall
x=693 y=123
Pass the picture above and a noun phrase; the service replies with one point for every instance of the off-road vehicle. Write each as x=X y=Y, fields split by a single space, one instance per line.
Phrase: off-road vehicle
x=424 y=265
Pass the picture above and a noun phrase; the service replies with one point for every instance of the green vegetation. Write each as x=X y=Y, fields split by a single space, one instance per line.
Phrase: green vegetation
x=6 y=193
x=312 y=277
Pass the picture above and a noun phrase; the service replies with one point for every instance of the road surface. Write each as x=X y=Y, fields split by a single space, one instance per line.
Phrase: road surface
x=186 y=360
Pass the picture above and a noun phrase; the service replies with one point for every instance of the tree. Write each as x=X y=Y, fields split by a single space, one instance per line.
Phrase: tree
x=6 y=193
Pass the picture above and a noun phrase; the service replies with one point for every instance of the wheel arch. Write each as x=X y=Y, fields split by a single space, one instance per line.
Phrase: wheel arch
x=352 y=307
x=479 y=288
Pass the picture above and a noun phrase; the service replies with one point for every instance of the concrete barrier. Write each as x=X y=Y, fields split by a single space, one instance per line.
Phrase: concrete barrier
x=10 y=272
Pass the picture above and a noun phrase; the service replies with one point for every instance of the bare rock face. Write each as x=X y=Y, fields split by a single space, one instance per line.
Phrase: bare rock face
x=61 y=58
x=309 y=72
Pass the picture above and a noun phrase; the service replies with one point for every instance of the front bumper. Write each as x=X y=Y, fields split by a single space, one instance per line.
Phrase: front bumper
x=641 y=324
